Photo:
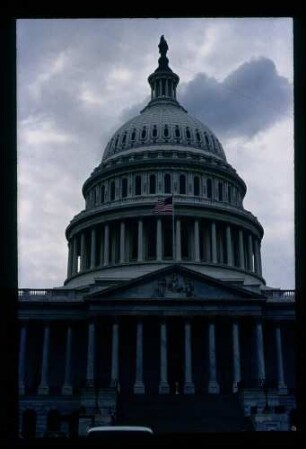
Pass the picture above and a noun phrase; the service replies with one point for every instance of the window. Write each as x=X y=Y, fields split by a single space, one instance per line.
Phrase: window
x=166 y=131
x=102 y=193
x=209 y=188
x=112 y=191
x=116 y=143
x=124 y=139
x=229 y=192
x=196 y=186
x=137 y=185
x=133 y=136
x=154 y=132
x=167 y=181
x=206 y=140
x=163 y=87
x=177 y=132
x=144 y=133
x=220 y=191
x=183 y=184
x=188 y=134
x=152 y=184
x=198 y=136
x=124 y=188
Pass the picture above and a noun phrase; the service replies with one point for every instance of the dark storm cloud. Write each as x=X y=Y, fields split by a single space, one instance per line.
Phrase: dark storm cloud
x=251 y=99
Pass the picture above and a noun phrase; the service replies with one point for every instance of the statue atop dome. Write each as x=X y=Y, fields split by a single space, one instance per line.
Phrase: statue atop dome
x=163 y=46
x=163 y=60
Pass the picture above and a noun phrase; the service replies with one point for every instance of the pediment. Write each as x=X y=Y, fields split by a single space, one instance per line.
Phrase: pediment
x=174 y=282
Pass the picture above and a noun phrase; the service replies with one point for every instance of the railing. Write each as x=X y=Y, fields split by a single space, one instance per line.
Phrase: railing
x=280 y=294
x=27 y=294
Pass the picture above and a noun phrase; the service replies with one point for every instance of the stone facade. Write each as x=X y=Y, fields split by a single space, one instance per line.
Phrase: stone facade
x=157 y=305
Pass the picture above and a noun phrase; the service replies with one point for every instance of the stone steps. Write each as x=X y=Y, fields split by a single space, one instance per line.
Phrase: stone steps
x=169 y=413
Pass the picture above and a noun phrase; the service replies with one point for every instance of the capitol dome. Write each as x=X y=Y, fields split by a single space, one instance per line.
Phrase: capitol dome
x=164 y=123
x=163 y=154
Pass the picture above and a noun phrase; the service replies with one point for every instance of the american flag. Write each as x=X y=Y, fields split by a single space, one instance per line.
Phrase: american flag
x=164 y=206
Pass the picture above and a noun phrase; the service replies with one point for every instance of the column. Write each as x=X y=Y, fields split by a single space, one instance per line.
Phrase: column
x=90 y=372
x=74 y=255
x=113 y=239
x=67 y=387
x=69 y=266
x=256 y=256
x=213 y=242
x=139 y=385
x=159 y=240
x=93 y=249
x=83 y=262
x=188 y=384
x=43 y=386
x=178 y=240
x=241 y=250
x=259 y=258
x=281 y=386
x=236 y=357
x=106 y=244
x=207 y=244
x=140 y=241
x=213 y=386
x=196 y=241
x=122 y=242
x=250 y=253
x=261 y=372
x=101 y=259
x=229 y=246
x=115 y=355
x=22 y=358
x=163 y=386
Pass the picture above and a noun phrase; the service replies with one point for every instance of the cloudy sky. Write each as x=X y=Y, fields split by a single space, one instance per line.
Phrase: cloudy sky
x=79 y=80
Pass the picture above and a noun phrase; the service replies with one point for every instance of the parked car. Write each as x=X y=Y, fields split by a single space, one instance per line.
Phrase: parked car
x=121 y=434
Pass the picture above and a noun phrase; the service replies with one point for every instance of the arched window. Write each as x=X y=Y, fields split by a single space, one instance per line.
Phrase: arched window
x=206 y=140
x=102 y=193
x=112 y=191
x=177 y=132
x=144 y=133
x=167 y=182
x=133 y=136
x=198 y=136
x=229 y=193
x=183 y=184
x=92 y=198
x=124 y=188
x=137 y=185
x=29 y=424
x=215 y=145
x=53 y=421
x=116 y=142
x=152 y=184
x=163 y=87
x=196 y=186
x=220 y=191
x=209 y=188
x=124 y=139
x=154 y=131
x=166 y=131
x=188 y=134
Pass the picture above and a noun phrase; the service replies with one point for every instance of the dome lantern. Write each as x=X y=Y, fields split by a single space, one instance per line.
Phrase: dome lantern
x=163 y=81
